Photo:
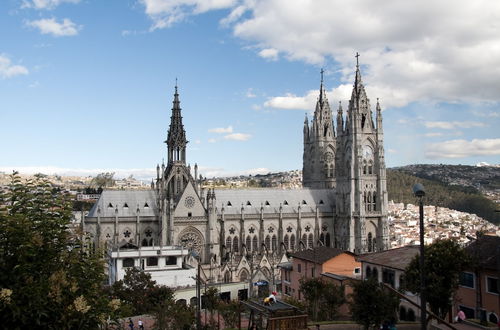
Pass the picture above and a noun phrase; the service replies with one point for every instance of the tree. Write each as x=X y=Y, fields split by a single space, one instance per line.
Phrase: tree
x=371 y=303
x=140 y=293
x=318 y=292
x=444 y=261
x=103 y=180
x=230 y=312
x=52 y=280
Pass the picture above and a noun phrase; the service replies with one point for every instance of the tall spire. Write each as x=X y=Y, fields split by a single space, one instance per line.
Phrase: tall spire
x=357 y=81
x=321 y=88
x=176 y=139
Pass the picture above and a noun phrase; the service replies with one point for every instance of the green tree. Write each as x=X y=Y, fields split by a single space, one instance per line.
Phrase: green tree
x=230 y=312
x=371 y=303
x=444 y=261
x=103 y=180
x=318 y=292
x=50 y=278
x=140 y=294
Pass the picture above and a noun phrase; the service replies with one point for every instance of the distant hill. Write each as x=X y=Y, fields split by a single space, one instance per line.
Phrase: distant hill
x=454 y=187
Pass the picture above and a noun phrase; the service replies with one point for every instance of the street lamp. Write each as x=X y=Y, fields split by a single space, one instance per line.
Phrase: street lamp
x=419 y=191
x=197 y=256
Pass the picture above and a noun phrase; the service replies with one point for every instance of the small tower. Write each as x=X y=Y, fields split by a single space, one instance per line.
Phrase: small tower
x=176 y=139
x=319 y=146
x=361 y=194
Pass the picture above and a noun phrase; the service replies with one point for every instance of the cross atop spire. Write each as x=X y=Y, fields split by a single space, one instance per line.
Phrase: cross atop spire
x=357 y=59
x=322 y=71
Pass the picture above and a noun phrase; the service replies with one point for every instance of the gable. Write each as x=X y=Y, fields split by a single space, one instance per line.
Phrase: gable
x=189 y=204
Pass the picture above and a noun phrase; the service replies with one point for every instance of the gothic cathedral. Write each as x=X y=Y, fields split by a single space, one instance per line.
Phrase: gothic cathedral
x=343 y=203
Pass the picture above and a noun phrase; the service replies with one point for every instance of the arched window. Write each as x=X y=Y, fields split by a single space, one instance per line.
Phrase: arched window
x=227 y=277
x=268 y=242
x=248 y=243
x=370 y=242
x=151 y=242
x=255 y=244
x=370 y=168
x=229 y=243
x=310 y=241
x=374 y=201
x=369 y=201
x=327 y=239
x=364 y=201
x=144 y=242
x=375 y=273
x=274 y=243
x=304 y=241
x=331 y=171
x=243 y=275
x=236 y=246
x=364 y=167
x=493 y=318
x=368 y=272
x=322 y=238
x=402 y=313
x=292 y=242
x=286 y=241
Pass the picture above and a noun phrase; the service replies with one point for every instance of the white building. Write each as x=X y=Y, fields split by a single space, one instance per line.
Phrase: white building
x=165 y=264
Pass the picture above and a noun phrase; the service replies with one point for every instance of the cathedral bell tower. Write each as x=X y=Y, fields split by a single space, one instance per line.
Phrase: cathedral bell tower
x=173 y=178
x=361 y=194
x=319 y=146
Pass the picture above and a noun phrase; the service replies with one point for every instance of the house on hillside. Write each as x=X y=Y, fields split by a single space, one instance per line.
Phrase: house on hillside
x=388 y=267
x=312 y=263
x=478 y=293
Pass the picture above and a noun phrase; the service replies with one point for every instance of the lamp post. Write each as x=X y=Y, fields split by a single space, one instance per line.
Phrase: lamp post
x=419 y=191
x=198 y=289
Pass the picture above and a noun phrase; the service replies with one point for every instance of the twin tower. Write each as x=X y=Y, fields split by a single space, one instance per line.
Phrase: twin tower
x=349 y=158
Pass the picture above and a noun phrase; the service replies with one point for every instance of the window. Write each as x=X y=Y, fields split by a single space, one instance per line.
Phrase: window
x=285 y=203
x=248 y=203
x=110 y=205
x=357 y=270
x=268 y=242
x=146 y=205
x=236 y=244
x=469 y=312
x=228 y=243
x=255 y=244
x=152 y=261
x=492 y=285
x=274 y=243
x=229 y=203
x=299 y=268
x=125 y=205
x=190 y=214
x=267 y=203
x=292 y=242
x=466 y=280
x=388 y=276
x=286 y=241
x=170 y=260
x=128 y=262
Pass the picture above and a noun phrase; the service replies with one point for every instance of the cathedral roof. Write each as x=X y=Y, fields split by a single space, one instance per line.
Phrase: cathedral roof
x=125 y=203
x=270 y=200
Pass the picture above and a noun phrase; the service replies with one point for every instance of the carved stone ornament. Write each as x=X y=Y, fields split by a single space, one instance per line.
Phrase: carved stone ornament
x=192 y=241
x=189 y=202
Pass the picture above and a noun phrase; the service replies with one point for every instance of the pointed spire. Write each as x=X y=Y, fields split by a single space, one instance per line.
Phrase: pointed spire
x=176 y=139
x=378 y=106
x=357 y=81
x=322 y=96
x=340 y=110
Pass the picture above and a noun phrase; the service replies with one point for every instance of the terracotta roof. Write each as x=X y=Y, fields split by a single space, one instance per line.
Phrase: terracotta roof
x=487 y=249
x=397 y=258
x=319 y=254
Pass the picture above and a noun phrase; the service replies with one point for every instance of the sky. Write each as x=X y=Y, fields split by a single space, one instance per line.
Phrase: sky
x=86 y=86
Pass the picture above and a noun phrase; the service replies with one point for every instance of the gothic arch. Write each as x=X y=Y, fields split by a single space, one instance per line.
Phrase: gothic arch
x=243 y=275
x=191 y=238
x=236 y=246
x=229 y=243
x=292 y=242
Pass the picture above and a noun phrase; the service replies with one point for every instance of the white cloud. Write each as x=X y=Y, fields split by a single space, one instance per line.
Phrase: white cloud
x=212 y=140
x=9 y=70
x=453 y=124
x=197 y=141
x=138 y=173
x=221 y=172
x=221 y=130
x=51 y=26
x=237 y=137
x=433 y=134
x=45 y=4
x=269 y=53
x=486 y=114
x=164 y=13
x=250 y=93
x=453 y=57
x=463 y=148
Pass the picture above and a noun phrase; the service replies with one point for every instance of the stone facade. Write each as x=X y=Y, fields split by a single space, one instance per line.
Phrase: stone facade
x=243 y=234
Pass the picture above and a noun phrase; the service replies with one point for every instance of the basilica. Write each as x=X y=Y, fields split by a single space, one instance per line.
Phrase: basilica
x=343 y=202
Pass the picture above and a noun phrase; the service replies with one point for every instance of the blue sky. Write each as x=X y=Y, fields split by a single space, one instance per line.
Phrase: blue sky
x=86 y=86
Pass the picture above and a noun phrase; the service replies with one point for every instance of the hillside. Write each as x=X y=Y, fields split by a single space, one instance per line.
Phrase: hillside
x=460 y=197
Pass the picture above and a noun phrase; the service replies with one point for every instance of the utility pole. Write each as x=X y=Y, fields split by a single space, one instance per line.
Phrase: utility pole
x=418 y=191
